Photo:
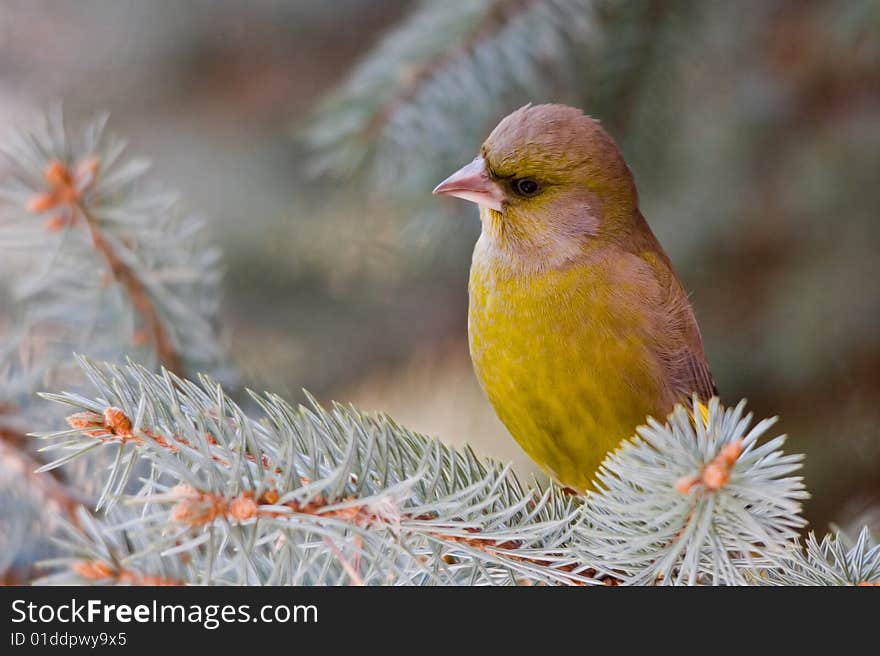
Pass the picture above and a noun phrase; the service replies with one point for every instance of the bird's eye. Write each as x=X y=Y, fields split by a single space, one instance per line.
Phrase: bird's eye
x=526 y=187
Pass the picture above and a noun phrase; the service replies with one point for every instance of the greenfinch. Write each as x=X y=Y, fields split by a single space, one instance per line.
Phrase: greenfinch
x=578 y=326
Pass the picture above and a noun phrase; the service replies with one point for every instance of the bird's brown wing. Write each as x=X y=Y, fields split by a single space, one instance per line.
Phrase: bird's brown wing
x=682 y=351
x=679 y=345
x=699 y=378
x=681 y=354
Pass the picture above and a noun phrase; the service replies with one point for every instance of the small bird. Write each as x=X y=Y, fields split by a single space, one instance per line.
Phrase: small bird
x=578 y=326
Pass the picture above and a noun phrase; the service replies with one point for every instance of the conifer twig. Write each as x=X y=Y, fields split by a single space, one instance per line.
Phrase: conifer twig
x=96 y=260
x=137 y=293
x=65 y=195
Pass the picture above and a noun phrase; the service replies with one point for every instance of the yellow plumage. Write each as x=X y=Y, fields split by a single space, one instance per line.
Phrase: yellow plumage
x=557 y=391
x=579 y=328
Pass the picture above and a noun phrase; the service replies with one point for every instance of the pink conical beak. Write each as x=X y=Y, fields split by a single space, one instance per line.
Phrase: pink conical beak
x=472 y=182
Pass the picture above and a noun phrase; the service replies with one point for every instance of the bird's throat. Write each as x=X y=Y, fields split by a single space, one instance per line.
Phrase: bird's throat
x=523 y=247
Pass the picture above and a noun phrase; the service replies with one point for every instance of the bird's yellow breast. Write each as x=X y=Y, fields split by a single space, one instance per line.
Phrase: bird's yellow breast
x=561 y=356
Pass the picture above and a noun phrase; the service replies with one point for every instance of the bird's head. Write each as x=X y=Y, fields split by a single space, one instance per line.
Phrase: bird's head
x=548 y=180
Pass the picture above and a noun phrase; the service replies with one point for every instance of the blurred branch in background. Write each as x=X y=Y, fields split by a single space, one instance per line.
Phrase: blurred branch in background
x=93 y=261
x=432 y=86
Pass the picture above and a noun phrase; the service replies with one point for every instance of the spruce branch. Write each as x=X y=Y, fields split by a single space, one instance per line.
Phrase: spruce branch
x=95 y=260
x=137 y=292
x=695 y=500
x=833 y=561
x=308 y=495
x=92 y=259
x=65 y=197
x=107 y=557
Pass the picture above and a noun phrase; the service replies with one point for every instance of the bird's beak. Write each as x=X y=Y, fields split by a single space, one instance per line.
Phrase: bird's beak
x=472 y=182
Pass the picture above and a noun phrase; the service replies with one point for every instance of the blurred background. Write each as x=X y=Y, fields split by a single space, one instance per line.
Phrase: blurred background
x=310 y=134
